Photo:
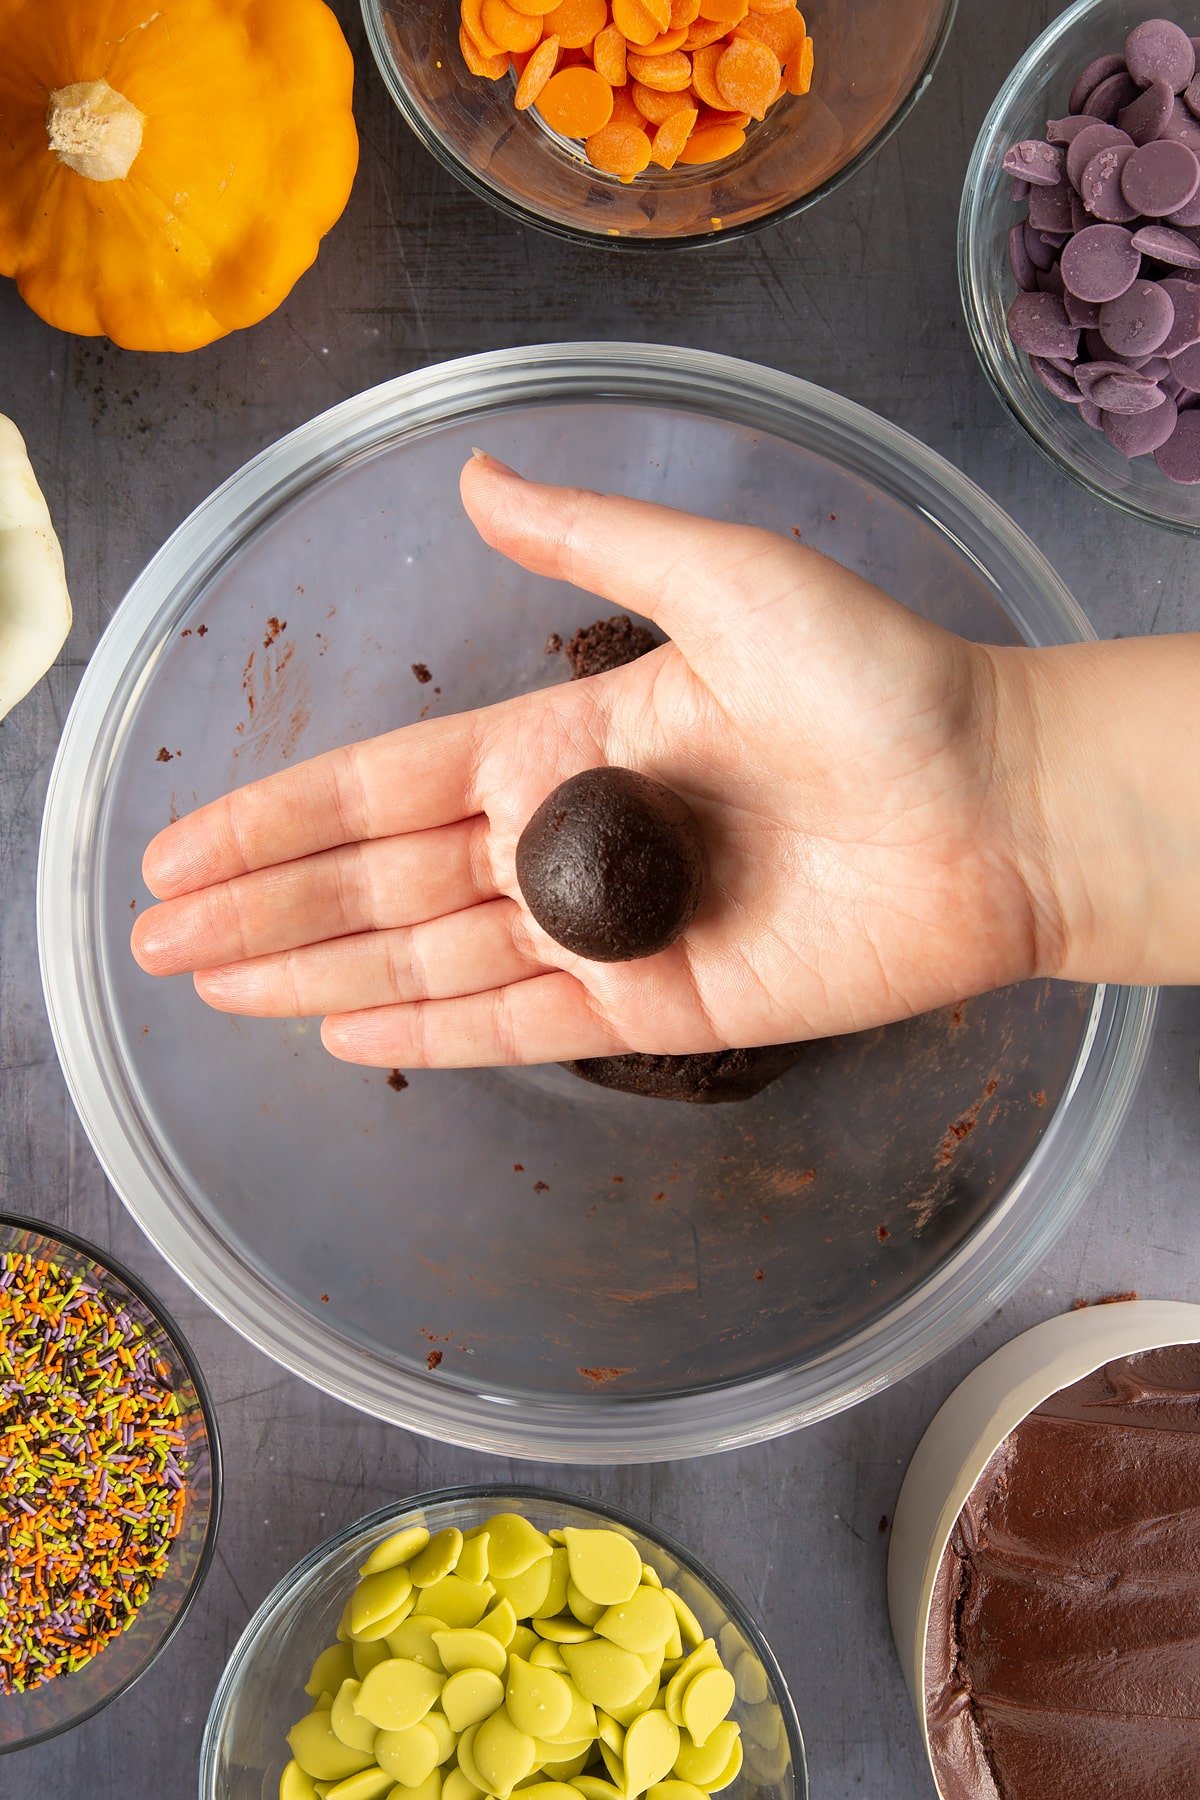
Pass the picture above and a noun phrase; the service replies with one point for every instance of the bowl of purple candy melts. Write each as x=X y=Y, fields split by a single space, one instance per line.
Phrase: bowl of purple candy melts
x=1079 y=252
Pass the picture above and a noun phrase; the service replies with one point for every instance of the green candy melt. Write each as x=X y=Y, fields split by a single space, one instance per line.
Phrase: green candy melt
x=506 y=1661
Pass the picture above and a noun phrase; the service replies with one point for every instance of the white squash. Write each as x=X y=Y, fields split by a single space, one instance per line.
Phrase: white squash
x=35 y=607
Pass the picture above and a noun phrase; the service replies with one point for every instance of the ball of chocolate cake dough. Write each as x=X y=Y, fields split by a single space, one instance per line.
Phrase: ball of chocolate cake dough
x=612 y=865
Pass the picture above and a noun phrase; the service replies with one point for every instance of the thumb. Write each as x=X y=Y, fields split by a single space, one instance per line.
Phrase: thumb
x=694 y=577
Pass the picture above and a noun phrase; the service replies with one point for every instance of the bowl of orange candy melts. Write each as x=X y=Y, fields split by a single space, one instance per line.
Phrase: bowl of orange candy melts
x=644 y=122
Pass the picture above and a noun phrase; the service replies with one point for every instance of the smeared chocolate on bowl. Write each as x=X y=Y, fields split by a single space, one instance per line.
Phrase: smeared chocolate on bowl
x=1063 y=1658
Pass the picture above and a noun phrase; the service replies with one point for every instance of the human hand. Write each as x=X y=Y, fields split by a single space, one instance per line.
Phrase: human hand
x=840 y=752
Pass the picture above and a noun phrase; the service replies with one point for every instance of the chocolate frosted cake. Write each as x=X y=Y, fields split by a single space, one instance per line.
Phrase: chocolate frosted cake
x=1063 y=1660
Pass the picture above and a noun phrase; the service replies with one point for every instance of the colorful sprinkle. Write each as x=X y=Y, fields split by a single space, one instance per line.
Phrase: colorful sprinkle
x=92 y=1470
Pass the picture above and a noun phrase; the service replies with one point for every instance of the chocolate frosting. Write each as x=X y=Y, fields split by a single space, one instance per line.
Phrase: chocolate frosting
x=1063 y=1657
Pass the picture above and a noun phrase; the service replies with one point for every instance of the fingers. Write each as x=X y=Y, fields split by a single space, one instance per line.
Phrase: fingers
x=362 y=887
x=410 y=780
x=545 y=1019
x=682 y=571
x=465 y=953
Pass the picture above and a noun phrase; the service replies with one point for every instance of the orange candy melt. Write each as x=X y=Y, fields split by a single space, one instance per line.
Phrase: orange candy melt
x=536 y=73
x=609 y=52
x=577 y=102
x=747 y=77
x=671 y=138
x=510 y=30
x=620 y=150
x=642 y=81
x=657 y=107
x=666 y=74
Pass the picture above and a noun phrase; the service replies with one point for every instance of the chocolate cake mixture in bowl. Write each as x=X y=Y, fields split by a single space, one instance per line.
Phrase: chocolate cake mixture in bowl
x=520 y=1259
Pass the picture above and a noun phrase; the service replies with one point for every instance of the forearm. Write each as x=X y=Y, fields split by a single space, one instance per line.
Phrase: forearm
x=1098 y=747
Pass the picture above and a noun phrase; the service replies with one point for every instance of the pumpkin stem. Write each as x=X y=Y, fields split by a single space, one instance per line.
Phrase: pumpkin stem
x=94 y=130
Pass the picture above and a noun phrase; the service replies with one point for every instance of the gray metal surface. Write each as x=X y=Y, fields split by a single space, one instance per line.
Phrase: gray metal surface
x=859 y=295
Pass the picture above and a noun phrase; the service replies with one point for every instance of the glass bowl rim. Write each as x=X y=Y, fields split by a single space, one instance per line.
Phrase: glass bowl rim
x=110 y=1265
x=634 y=246
x=1024 y=77
x=585 y=1428
x=312 y=1561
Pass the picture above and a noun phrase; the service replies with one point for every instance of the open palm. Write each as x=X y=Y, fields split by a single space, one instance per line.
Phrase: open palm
x=838 y=751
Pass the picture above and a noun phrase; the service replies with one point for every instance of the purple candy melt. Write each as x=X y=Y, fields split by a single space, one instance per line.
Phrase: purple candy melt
x=1043 y=165
x=1084 y=313
x=1020 y=261
x=1087 y=144
x=1099 y=352
x=1100 y=185
x=1138 y=321
x=1089 y=373
x=1050 y=208
x=1137 y=434
x=1185 y=367
x=1100 y=263
x=1038 y=324
x=1185 y=216
x=1186 y=330
x=1062 y=131
x=1158 y=50
x=1182 y=128
x=1160 y=177
x=1111 y=97
x=1127 y=392
x=1055 y=381
x=1111 y=200
x=1145 y=117
x=1090 y=79
x=1179 y=457
x=1167 y=246
x=1040 y=253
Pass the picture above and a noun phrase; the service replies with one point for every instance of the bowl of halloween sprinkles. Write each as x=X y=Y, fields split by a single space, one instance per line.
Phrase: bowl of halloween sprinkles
x=643 y=122
x=109 y=1481
x=502 y=1641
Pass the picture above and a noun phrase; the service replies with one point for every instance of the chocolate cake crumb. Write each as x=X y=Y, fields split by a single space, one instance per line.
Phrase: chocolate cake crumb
x=434 y=1360
x=553 y=644
x=164 y=755
x=607 y=644
x=1105 y=1300
x=397 y=1082
x=421 y=671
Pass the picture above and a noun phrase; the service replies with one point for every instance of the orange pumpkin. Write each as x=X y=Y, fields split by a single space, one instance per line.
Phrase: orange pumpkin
x=169 y=167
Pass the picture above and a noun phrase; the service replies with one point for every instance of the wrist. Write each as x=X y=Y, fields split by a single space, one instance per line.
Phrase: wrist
x=1025 y=761
x=1098 y=751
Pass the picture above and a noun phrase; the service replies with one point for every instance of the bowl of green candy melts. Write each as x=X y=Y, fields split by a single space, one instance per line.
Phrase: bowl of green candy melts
x=503 y=1641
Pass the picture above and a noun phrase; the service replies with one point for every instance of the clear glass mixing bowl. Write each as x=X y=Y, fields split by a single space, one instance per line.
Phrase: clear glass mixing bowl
x=1037 y=90
x=514 y=1259
x=874 y=60
x=261 y=1694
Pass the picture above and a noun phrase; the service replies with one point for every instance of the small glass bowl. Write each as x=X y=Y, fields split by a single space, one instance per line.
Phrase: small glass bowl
x=261 y=1694
x=42 y=1712
x=1037 y=90
x=874 y=59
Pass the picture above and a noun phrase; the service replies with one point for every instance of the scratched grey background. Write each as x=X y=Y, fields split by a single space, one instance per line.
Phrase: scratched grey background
x=860 y=295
